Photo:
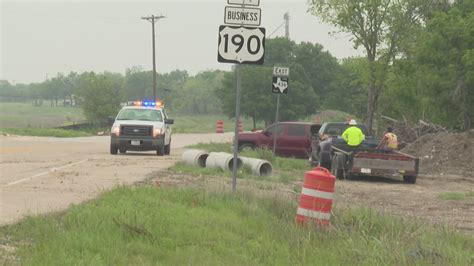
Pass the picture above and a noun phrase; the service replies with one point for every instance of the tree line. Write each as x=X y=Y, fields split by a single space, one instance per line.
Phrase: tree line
x=419 y=64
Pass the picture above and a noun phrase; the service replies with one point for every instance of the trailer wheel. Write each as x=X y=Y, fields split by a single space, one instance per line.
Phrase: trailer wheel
x=410 y=179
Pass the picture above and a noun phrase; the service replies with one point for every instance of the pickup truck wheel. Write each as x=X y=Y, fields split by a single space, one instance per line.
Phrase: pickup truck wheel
x=410 y=179
x=167 y=149
x=246 y=147
x=325 y=160
x=335 y=170
x=113 y=150
x=161 y=150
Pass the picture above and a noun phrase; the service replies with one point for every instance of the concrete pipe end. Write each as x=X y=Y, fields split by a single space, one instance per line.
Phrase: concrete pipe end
x=201 y=160
x=265 y=169
x=231 y=164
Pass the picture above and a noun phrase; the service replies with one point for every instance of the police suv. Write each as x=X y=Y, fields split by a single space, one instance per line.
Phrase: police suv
x=142 y=126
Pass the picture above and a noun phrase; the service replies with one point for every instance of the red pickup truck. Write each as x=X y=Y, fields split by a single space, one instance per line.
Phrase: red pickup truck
x=293 y=139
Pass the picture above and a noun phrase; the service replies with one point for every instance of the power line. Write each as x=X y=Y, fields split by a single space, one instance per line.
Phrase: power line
x=281 y=25
x=285 y=23
x=153 y=19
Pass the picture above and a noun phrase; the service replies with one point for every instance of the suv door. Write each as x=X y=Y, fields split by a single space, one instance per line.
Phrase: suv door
x=269 y=133
x=296 y=141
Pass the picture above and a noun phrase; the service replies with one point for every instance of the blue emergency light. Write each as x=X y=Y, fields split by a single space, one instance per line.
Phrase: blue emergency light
x=148 y=103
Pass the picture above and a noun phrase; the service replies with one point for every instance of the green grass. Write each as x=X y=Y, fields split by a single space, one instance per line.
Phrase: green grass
x=207 y=124
x=45 y=132
x=456 y=195
x=285 y=170
x=22 y=115
x=171 y=226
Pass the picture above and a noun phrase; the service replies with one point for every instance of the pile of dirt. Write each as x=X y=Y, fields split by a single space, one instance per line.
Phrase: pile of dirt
x=445 y=153
x=330 y=116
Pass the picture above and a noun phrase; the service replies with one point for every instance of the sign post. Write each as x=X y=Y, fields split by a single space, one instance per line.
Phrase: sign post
x=280 y=82
x=242 y=44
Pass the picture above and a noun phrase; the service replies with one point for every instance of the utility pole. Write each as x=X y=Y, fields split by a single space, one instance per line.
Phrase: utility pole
x=286 y=17
x=153 y=19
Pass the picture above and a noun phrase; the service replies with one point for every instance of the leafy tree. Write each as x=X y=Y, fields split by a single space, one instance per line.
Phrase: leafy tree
x=349 y=89
x=100 y=95
x=196 y=95
x=445 y=63
x=259 y=103
x=138 y=84
x=379 y=26
x=169 y=84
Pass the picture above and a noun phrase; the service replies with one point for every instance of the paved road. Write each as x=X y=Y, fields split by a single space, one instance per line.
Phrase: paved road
x=40 y=175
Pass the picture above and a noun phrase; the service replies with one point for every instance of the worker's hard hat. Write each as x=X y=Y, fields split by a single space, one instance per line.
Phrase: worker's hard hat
x=352 y=122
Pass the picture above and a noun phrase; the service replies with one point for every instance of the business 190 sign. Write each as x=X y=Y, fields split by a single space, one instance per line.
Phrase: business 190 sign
x=243 y=44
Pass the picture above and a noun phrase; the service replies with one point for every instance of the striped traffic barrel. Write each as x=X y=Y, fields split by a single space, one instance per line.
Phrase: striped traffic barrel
x=316 y=197
x=220 y=126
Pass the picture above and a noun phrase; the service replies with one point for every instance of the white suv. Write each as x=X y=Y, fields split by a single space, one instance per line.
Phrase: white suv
x=143 y=126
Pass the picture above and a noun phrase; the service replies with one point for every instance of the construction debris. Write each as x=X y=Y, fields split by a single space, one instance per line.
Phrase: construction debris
x=408 y=132
x=445 y=153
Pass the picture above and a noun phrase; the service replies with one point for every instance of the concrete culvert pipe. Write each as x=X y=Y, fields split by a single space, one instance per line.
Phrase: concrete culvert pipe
x=222 y=160
x=258 y=166
x=196 y=158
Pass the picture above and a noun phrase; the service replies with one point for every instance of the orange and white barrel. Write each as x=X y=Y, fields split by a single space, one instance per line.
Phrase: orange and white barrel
x=316 y=197
x=220 y=126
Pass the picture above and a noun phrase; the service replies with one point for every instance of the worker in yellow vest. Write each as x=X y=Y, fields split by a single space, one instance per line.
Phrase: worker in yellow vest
x=353 y=135
x=389 y=142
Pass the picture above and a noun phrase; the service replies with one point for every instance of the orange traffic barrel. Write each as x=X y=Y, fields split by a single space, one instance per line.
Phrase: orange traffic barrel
x=220 y=126
x=316 y=197
x=241 y=127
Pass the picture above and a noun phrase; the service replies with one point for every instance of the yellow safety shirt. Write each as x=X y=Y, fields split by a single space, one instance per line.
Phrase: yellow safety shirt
x=353 y=136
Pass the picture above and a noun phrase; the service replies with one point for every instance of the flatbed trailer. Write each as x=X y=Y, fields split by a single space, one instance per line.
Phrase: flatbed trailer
x=373 y=162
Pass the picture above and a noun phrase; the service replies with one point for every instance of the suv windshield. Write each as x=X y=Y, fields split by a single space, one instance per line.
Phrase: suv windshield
x=140 y=114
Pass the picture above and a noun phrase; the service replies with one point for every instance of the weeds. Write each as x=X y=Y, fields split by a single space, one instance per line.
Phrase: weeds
x=44 y=132
x=149 y=225
x=456 y=195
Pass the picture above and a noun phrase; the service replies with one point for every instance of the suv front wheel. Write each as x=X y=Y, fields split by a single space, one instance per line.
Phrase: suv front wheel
x=161 y=150
x=168 y=148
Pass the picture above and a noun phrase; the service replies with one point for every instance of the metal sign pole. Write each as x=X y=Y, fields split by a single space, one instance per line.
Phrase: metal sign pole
x=236 y=131
x=275 y=127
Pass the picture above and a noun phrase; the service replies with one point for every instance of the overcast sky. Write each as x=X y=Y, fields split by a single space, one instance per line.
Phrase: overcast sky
x=39 y=39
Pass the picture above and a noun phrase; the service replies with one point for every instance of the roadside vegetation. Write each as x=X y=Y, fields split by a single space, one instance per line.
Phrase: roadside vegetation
x=197 y=221
x=25 y=114
x=207 y=123
x=176 y=226
x=44 y=132
x=457 y=195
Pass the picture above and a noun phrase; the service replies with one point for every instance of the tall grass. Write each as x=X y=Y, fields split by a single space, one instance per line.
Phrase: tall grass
x=22 y=115
x=172 y=226
x=207 y=124
x=45 y=132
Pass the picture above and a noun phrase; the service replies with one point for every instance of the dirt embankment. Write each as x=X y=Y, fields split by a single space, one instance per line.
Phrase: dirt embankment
x=445 y=153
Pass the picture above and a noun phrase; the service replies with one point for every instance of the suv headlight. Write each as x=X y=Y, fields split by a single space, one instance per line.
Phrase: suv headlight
x=158 y=131
x=115 y=130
